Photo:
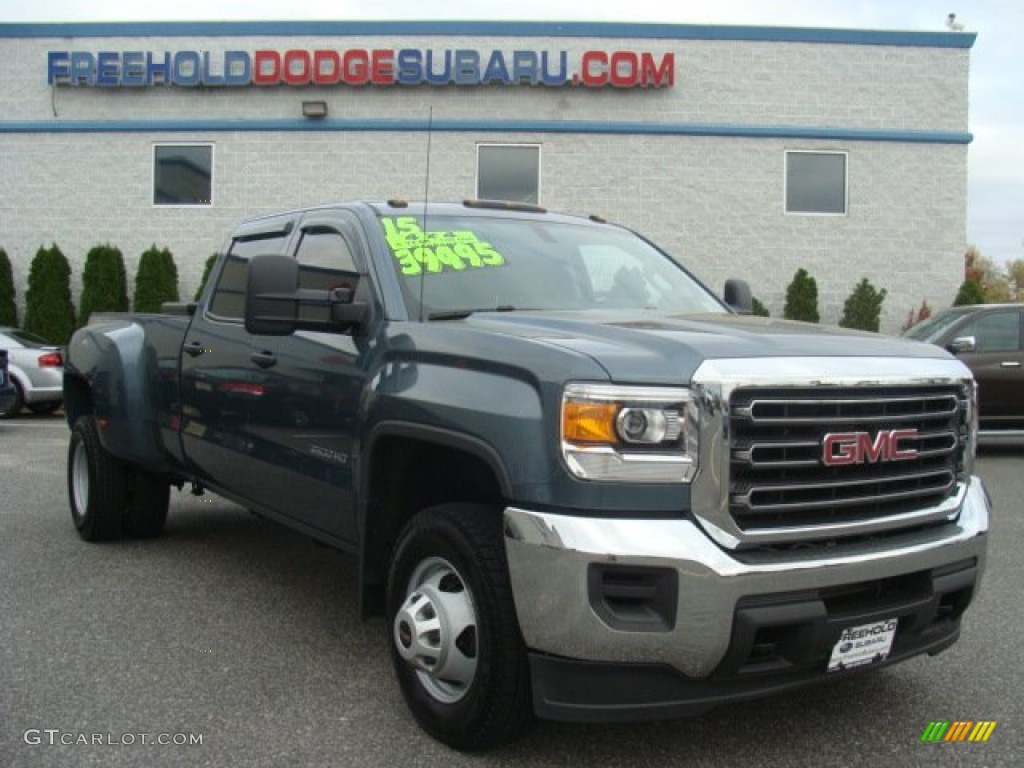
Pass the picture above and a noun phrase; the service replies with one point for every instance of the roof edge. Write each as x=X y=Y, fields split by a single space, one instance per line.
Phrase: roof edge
x=921 y=39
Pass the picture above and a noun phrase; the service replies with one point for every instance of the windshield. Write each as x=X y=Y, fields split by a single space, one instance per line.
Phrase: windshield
x=935 y=326
x=477 y=263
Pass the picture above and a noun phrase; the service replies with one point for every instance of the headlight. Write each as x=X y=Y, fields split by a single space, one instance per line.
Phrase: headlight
x=629 y=434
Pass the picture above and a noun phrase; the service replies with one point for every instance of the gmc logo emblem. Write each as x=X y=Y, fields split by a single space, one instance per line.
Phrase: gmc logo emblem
x=860 y=448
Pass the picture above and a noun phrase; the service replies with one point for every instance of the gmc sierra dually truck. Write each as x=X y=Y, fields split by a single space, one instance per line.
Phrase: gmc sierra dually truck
x=578 y=484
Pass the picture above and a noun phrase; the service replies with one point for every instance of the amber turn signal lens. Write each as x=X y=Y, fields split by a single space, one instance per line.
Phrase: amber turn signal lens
x=589 y=422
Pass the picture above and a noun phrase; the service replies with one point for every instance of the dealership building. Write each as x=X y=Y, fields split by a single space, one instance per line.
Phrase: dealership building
x=743 y=151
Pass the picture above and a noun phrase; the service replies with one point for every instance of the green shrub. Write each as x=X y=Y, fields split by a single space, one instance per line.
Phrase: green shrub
x=971 y=292
x=8 y=309
x=802 y=298
x=104 y=283
x=210 y=261
x=757 y=308
x=156 y=280
x=48 y=309
x=863 y=307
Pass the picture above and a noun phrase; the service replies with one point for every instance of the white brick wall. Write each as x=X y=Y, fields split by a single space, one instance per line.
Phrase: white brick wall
x=715 y=202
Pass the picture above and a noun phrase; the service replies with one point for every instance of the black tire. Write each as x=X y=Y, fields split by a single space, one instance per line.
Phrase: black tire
x=97 y=484
x=46 y=407
x=449 y=560
x=146 y=512
x=16 y=405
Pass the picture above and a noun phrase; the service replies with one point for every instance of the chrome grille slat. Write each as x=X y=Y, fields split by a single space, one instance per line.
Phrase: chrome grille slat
x=745 y=499
x=778 y=478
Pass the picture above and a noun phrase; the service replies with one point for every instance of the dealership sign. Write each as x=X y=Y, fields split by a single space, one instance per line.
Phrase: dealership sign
x=359 y=66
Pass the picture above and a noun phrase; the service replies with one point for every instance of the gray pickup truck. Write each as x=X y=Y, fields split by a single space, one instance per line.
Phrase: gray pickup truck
x=578 y=484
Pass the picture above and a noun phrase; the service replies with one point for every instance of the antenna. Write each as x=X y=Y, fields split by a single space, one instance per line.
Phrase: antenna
x=426 y=204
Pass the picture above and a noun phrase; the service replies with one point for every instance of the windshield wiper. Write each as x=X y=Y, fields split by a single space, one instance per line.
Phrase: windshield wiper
x=461 y=314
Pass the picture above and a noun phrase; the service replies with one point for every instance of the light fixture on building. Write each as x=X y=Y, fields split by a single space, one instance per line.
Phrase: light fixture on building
x=314 y=109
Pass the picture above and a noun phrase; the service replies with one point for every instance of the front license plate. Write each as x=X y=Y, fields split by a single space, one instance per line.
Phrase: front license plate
x=866 y=644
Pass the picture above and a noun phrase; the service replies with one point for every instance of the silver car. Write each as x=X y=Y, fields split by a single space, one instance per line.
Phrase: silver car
x=36 y=369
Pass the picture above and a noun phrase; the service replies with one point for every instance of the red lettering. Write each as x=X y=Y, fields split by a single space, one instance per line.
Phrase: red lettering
x=859 y=447
x=297 y=67
x=658 y=76
x=355 y=67
x=872 y=450
x=382 y=68
x=266 y=69
x=326 y=67
x=595 y=69
x=624 y=69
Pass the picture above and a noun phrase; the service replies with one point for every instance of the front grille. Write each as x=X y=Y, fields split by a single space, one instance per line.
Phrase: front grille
x=779 y=438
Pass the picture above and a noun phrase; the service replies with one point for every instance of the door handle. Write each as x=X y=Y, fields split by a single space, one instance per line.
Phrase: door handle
x=264 y=359
x=194 y=349
x=1009 y=364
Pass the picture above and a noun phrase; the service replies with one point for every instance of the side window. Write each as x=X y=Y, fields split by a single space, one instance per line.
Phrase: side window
x=999 y=332
x=228 y=301
x=325 y=260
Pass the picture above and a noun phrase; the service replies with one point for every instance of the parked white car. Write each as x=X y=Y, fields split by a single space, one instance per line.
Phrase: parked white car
x=36 y=369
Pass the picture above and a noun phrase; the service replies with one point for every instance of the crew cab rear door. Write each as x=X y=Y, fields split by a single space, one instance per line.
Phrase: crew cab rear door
x=219 y=391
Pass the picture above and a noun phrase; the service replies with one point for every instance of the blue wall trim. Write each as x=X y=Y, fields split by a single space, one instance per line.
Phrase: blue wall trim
x=197 y=127
x=491 y=29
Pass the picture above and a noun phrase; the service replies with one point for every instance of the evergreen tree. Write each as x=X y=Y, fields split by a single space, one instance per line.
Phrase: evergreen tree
x=863 y=307
x=971 y=292
x=757 y=308
x=802 y=298
x=104 y=283
x=48 y=309
x=8 y=308
x=210 y=261
x=156 y=280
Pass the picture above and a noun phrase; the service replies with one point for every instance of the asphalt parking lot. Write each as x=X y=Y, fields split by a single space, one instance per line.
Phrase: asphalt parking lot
x=235 y=633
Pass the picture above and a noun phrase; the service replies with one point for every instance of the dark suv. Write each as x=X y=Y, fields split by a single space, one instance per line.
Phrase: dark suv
x=989 y=339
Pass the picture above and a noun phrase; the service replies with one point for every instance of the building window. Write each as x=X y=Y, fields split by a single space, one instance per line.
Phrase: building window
x=183 y=174
x=816 y=182
x=508 y=172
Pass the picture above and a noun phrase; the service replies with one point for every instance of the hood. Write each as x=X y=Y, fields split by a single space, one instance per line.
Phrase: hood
x=654 y=347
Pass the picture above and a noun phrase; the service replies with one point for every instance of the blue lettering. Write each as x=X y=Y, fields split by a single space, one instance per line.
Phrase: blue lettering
x=133 y=68
x=409 y=67
x=439 y=78
x=208 y=77
x=237 y=68
x=496 y=69
x=155 y=70
x=557 y=78
x=108 y=68
x=58 y=67
x=83 y=68
x=467 y=67
x=186 y=68
x=524 y=67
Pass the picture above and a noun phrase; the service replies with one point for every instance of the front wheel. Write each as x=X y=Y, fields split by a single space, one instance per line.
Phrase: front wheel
x=454 y=636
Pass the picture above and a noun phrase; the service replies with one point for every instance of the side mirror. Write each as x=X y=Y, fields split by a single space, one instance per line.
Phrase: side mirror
x=276 y=306
x=738 y=296
x=962 y=344
x=270 y=307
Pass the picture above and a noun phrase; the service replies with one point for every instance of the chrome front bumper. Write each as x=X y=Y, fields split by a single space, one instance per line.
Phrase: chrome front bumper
x=550 y=557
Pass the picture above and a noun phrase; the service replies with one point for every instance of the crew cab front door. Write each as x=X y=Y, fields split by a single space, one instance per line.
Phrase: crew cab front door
x=304 y=430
